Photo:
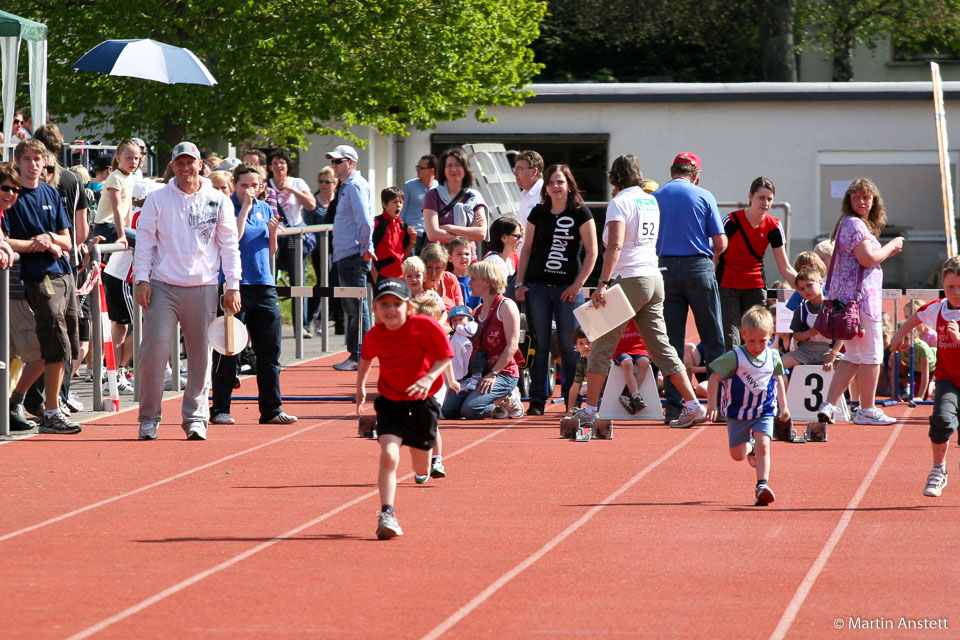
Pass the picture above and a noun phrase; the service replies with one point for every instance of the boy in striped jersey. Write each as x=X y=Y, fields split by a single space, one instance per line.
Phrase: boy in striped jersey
x=753 y=389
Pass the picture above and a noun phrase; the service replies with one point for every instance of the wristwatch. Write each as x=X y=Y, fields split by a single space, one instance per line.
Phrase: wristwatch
x=517 y=285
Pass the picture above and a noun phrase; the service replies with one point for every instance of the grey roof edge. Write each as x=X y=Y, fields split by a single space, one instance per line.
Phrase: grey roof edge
x=735 y=92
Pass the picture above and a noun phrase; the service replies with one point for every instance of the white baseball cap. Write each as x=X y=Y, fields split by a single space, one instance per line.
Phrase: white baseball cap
x=343 y=151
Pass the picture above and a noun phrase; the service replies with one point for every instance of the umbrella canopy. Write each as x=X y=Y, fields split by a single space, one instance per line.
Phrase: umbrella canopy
x=146 y=59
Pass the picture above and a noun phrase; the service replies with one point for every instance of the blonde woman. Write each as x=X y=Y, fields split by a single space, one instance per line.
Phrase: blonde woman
x=855 y=274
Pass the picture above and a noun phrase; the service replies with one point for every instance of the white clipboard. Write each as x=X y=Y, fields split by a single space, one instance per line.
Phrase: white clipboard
x=596 y=321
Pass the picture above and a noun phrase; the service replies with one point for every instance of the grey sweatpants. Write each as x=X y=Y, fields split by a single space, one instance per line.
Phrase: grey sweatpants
x=194 y=308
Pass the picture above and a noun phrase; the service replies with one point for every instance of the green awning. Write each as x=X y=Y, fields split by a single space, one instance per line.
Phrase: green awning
x=11 y=25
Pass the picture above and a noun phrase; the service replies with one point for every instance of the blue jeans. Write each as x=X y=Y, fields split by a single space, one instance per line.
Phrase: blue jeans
x=352 y=272
x=544 y=305
x=690 y=282
x=474 y=405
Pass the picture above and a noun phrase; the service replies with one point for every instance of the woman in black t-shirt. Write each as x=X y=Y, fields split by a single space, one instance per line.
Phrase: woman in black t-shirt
x=551 y=275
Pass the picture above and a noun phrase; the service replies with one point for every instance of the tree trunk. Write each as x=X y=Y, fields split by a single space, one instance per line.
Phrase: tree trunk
x=779 y=59
x=843 y=56
x=172 y=133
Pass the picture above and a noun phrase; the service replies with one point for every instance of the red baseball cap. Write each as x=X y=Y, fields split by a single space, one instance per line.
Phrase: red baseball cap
x=687 y=157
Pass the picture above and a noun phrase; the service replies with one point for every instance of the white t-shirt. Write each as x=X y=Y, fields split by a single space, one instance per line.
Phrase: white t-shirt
x=507 y=265
x=293 y=212
x=640 y=214
x=530 y=199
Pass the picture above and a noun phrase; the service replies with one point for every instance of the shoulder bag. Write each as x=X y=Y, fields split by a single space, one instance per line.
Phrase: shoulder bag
x=839 y=321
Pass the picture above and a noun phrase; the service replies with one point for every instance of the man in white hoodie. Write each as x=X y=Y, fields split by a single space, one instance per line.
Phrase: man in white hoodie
x=186 y=229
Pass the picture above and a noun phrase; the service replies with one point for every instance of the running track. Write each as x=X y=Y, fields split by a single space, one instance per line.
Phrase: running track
x=267 y=532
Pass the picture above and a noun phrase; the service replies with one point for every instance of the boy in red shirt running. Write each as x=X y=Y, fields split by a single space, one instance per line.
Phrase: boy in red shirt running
x=392 y=238
x=413 y=351
x=942 y=315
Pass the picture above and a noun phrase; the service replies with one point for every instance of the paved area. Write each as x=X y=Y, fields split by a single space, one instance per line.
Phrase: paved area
x=312 y=348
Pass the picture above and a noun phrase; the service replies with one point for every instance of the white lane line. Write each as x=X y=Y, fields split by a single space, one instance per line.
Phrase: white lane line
x=482 y=597
x=183 y=584
x=152 y=485
x=786 y=620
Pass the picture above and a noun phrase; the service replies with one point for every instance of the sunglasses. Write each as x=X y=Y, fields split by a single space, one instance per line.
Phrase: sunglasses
x=326 y=182
x=18 y=122
x=339 y=160
x=51 y=168
x=8 y=189
x=518 y=236
x=419 y=168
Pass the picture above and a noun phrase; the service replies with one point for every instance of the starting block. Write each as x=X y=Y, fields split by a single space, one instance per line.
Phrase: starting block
x=367 y=427
x=816 y=432
x=807 y=390
x=571 y=428
x=610 y=407
x=783 y=430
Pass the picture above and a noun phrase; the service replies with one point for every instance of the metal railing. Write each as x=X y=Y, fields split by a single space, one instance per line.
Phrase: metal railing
x=97 y=251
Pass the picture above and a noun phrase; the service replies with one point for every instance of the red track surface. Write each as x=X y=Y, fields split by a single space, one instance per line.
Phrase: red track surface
x=267 y=531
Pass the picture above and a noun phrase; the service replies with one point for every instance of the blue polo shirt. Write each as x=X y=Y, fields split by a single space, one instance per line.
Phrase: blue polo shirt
x=413 y=193
x=255 y=245
x=38 y=211
x=689 y=217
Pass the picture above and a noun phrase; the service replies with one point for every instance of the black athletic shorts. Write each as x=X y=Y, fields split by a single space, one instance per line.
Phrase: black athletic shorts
x=414 y=421
x=118 y=306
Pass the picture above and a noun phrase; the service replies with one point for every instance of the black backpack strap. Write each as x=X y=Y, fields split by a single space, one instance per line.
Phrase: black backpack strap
x=746 y=240
x=379 y=230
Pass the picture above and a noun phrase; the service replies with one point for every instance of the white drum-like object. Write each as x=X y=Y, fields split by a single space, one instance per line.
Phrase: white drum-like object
x=216 y=334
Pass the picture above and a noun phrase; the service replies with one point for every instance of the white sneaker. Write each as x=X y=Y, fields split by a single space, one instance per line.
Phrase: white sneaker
x=689 y=417
x=124 y=387
x=514 y=406
x=936 y=481
x=873 y=416
x=148 y=430
x=196 y=431
x=826 y=413
x=223 y=418
x=73 y=403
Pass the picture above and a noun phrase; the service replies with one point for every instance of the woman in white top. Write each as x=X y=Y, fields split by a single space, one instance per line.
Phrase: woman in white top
x=630 y=235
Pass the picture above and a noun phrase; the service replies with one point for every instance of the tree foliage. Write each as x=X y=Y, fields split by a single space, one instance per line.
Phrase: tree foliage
x=287 y=69
x=838 y=26
x=650 y=40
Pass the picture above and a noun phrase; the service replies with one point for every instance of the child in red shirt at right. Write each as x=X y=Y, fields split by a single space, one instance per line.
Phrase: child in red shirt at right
x=943 y=315
x=392 y=238
x=631 y=356
x=413 y=351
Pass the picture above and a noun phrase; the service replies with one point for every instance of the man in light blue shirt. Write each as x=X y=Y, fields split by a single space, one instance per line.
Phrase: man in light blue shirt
x=691 y=235
x=352 y=245
x=413 y=194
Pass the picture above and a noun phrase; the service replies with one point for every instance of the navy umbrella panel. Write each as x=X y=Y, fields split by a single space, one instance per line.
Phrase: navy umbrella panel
x=148 y=60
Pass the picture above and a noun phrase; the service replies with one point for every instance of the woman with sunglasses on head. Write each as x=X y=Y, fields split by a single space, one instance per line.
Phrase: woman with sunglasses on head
x=551 y=275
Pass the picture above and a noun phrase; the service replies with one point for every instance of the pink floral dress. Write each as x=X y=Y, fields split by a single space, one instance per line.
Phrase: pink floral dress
x=843 y=283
